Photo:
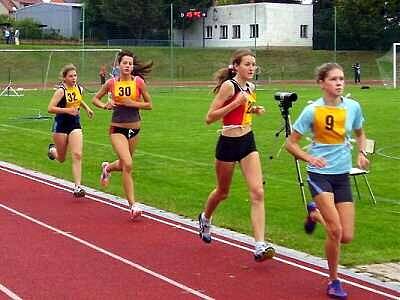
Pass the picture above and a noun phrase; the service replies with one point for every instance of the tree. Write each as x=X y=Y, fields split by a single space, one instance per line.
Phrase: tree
x=360 y=24
x=323 y=19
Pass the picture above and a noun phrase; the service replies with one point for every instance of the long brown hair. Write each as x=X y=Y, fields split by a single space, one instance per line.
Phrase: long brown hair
x=322 y=71
x=139 y=68
x=229 y=72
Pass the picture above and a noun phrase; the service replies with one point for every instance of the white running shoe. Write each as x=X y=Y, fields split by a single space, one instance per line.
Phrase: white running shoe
x=79 y=192
x=105 y=176
x=50 y=151
x=263 y=251
x=135 y=212
x=204 y=228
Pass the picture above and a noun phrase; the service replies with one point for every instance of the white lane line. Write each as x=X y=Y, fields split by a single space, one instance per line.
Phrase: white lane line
x=178 y=226
x=9 y=293
x=108 y=253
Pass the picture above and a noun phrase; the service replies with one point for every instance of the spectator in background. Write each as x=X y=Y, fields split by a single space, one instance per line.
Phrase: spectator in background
x=16 y=36
x=115 y=71
x=7 y=35
x=102 y=74
x=357 y=72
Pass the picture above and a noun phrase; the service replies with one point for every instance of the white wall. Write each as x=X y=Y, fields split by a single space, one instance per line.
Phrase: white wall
x=61 y=17
x=279 y=25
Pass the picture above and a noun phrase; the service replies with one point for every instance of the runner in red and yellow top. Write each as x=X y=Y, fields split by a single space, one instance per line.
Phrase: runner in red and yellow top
x=128 y=95
x=234 y=103
x=65 y=104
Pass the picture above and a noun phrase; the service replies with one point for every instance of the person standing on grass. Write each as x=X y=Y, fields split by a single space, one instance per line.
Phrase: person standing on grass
x=67 y=131
x=129 y=94
x=103 y=74
x=331 y=119
x=234 y=104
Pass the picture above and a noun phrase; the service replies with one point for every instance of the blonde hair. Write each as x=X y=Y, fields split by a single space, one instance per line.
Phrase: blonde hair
x=229 y=72
x=322 y=71
x=64 y=71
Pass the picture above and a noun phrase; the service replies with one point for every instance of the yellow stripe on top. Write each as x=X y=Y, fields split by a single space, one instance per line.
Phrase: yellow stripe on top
x=247 y=115
x=73 y=97
x=329 y=125
x=125 y=89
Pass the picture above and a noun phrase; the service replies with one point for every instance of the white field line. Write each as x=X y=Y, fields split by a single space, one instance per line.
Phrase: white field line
x=108 y=253
x=9 y=293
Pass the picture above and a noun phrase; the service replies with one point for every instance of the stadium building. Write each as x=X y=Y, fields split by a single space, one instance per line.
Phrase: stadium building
x=249 y=25
x=64 y=18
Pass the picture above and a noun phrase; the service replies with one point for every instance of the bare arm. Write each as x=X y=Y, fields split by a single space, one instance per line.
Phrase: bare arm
x=145 y=104
x=52 y=108
x=292 y=146
x=217 y=110
x=86 y=107
x=96 y=100
x=362 y=160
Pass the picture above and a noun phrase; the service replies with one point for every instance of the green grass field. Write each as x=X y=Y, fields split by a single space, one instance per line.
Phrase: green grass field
x=185 y=63
x=173 y=166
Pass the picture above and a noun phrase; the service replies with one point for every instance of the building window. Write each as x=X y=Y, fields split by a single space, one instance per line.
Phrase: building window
x=303 y=31
x=236 y=32
x=208 y=32
x=223 y=34
x=253 y=31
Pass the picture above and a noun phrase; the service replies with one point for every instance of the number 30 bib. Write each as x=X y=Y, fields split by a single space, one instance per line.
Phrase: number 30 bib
x=125 y=89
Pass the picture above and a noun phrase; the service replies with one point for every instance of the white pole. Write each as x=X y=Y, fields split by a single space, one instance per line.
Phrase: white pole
x=171 y=46
x=83 y=26
x=395 y=64
x=255 y=27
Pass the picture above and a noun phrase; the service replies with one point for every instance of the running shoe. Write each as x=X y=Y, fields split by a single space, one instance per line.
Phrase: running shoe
x=79 y=192
x=204 y=228
x=309 y=223
x=50 y=150
x=135 y=212
x=263 y=251
x=105 y=176
x=335 y=290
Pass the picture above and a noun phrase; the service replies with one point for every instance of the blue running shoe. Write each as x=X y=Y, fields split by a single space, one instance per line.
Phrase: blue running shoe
x=204 y=229
x=335 y=290
x=309 y=224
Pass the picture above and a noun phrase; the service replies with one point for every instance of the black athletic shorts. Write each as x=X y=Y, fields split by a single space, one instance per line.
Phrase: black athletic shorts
x=129 y=133
x=233 y=149
x=66 y=125
x=338 y=184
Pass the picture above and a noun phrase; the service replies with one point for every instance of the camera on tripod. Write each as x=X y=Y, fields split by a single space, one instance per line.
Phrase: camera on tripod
x=285 y=100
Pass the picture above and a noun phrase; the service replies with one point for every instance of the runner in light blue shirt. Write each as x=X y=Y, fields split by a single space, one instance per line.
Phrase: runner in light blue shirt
x=331 y=120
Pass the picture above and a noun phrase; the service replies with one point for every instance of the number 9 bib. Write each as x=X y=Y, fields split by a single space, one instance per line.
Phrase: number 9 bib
x=329 y=125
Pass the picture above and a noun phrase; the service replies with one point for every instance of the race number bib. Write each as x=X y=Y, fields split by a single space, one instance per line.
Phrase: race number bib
x=125 y=89
x=73 y=97
x=251 y=101
x=329 y=125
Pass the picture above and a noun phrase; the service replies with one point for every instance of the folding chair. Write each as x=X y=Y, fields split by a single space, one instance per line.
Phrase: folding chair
x=354 y=172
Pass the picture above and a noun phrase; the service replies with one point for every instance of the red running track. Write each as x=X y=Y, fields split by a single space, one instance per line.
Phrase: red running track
x=53 y=246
